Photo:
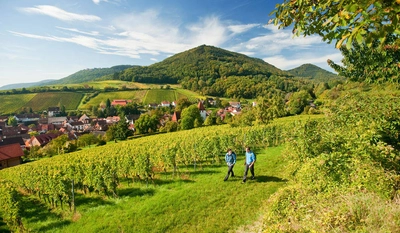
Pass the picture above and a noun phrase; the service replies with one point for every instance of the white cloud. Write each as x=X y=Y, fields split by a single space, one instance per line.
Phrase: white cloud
x=92 y=33
x=58 y=13
x=237 y=29
x=275 y=41
x=48 y=38
x=286 y=63
x=154 y=59
x=208 y=31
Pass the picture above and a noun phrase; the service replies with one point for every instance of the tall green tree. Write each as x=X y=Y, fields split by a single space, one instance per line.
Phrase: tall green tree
x=373 y=64
x=12 y=121
x=146 y=123
x=298 y=101
x=342 y=21
x=190 y=116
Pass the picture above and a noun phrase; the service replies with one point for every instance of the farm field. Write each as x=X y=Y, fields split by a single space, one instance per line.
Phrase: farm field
x=100 y=85
x=191 y=95
x=42 y=101
x=159 y=95
x=136 y=96
x=13 y=103
x=197 y=201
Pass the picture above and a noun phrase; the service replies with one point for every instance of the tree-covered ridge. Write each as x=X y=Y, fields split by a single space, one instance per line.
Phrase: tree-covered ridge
x=203 y=62
x=315 y=73
x=87 y=75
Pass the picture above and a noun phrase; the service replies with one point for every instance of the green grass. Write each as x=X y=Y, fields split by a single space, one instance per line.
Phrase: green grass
x=136 y=96
x=42 y=101
x=13 y=103
x=191 y=95
x=198 y=201
x=159 y=95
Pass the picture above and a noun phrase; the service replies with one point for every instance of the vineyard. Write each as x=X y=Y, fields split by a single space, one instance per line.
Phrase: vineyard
x=159 y=95
x=342 y=171
x=12 y=103
x=42 y=101
x=100 y=169
x=134 y=95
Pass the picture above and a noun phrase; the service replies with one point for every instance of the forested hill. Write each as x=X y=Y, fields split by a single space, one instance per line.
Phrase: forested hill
x=87 y=75
x=315 y=73
x=205 y=63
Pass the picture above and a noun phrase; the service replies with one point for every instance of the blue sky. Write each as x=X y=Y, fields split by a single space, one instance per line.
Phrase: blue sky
x=53 y=39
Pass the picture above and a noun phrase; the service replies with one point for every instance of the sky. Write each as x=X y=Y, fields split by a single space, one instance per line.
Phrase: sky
x=52 y=39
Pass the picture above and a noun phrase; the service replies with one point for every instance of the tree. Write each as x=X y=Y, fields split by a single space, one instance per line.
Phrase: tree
x=182 y=103
x=108 y=103
x=62 y=111
x=12 y=121
x=189 y=116
x=343 y=21
x=370 y=64
x=87 y=140
x=170 y=126
x=146 y=123
x=58 y=143
x=210 y=120
x=95 y=111
x=298 y=101
x=121 y=130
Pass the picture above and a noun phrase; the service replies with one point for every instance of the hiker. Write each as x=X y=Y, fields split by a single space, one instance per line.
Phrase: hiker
x=249 y=164
x=230 y=159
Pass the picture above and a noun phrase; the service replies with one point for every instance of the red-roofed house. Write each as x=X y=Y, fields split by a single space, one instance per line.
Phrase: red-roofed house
x=40 y=140
x=120 y=102
x=176 y=116
x=165 y=104
x=10 y=155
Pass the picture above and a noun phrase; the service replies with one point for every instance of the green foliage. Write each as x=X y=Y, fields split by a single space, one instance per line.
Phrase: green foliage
x=146 y=124
x=170 y=126
x=298 y=101
x=191 y=118
x=315 y=74
x=10 y=208
x=374 y=64
x=87 y=140
x=12 y=121
x=343 y=21
x=182 y=103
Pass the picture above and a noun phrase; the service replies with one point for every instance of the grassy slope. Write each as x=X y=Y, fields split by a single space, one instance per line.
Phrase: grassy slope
x=12 y=103
x=199 y=202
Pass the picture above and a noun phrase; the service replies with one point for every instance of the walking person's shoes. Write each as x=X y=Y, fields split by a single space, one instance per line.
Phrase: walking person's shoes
x=226 y=178
x=253 y=178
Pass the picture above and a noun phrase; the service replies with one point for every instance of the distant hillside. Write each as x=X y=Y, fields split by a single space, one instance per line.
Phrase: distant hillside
x=203 y=62
x=26 y=85
x=214 y=71
x=88 y=75
x=315 y=73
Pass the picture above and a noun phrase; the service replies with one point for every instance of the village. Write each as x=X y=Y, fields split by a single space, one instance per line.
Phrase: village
x=37 y=130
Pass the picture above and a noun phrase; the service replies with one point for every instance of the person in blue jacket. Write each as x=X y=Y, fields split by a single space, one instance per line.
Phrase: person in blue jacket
x=230 y=159
x=249 y=164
